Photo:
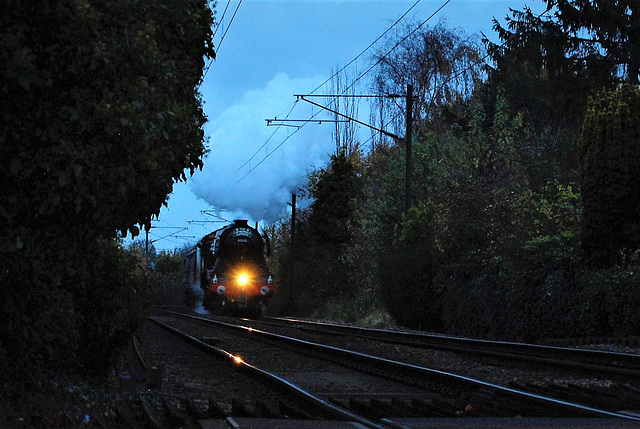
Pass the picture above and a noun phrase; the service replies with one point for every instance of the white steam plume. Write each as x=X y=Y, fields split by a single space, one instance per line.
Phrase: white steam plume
x=240 y=130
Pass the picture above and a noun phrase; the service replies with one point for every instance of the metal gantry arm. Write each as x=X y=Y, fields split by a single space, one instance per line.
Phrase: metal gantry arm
x=386 y=133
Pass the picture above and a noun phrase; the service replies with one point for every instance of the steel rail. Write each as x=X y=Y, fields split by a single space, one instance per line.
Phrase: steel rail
x=419 y=373
x=311 y=403
x=596 y=360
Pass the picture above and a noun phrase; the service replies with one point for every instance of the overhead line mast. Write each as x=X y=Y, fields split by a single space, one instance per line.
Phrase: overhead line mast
x=335 y=112
x=408 y=132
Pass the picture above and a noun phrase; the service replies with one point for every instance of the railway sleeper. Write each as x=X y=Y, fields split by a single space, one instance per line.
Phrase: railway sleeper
x=389 y=408
x=175 y=412
x=629 y=394
x=404 y=408
x=127 y=416
x=502 y=407
x=194 y=410
x=491 y=403
x=482 y=404
x=433 y=408
x=263 y=411
x=292 y=411
x=238 y=409
x=360 y=406
x=214 y=411
x=592 y=396
x=151 y=417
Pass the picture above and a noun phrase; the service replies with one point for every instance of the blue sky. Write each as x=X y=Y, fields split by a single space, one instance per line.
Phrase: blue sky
x=271 y=51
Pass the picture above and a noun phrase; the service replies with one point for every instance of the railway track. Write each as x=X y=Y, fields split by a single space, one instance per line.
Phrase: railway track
x=606 y=362
x=390 y=393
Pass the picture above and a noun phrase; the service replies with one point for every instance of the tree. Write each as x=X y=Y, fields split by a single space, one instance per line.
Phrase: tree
x=613 y=27
x=408 y=272
x=550 y=64
x=443 y=67
x=334 y=191
x=100 y=109
x=323 y=231
x=344 y=101
x=100 y=116
x=610 y=156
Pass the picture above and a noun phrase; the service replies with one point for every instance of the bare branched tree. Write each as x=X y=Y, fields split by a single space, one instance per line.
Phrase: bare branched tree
x=345 y=134
x=441 y=64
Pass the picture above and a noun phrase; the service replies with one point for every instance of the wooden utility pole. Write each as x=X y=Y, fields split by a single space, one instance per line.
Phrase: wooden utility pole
x=408 y=140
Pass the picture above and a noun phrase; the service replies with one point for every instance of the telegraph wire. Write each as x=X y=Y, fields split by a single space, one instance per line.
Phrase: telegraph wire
x=280 y=145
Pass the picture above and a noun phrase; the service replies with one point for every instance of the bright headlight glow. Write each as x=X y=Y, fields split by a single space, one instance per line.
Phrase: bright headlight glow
x=243 y=279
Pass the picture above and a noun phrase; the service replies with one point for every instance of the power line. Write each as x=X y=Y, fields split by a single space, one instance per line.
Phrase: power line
x=223 y=34
x=266 y=142
x=301 y=97
x=229 y=26
x=368 y=47
x=280 y=145
x=221 y=19
x=275 y=122
x=331 y=77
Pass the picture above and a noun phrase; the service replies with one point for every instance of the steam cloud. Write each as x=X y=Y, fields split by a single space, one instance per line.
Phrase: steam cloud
x=240 y=130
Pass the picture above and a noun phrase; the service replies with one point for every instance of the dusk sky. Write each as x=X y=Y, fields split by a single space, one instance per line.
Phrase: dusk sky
x=271 y=51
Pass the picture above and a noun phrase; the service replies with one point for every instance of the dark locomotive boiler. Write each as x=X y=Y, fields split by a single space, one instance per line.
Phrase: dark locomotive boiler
x=229 y=266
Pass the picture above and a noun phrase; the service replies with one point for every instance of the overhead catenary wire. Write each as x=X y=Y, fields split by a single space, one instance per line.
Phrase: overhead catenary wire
x=206 y=70
x=368 y=47
x=267 y=141
x=229 y=26
x=221 y=19
x=331 y=77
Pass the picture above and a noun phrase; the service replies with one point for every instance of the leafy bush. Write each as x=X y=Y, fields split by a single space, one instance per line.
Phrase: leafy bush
x=610 y=156
x=99 y=121
x=408 y=270
x=166 y=277
x=111 y=299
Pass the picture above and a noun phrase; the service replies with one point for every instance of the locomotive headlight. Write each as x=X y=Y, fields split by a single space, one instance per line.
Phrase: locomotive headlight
x=243 y=279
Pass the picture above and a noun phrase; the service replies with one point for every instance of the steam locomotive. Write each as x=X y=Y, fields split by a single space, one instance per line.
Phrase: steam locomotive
x=229 y=266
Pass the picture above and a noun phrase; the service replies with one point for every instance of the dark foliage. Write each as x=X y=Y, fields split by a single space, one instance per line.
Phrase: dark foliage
x=610 y=155
x=501 y=243
x=100 y=115
x=321 y=273
x=612 y=26
x=408 y=271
